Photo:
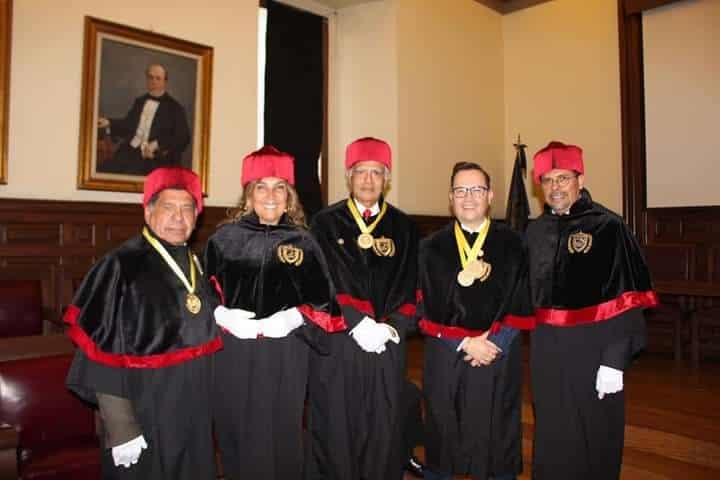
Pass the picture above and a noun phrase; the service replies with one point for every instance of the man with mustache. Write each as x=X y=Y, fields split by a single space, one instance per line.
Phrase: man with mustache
x=589 y=285
x=143 y=323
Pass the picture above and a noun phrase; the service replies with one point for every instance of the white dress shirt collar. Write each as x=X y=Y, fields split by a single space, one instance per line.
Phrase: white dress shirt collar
x=374 y=210
x=473 y=230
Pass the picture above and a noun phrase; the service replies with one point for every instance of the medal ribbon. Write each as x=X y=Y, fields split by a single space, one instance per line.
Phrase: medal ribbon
x=172 y=263
x=467 y=253
x=359 y=220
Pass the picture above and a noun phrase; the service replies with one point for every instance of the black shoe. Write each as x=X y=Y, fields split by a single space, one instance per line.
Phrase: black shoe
x=414 y=467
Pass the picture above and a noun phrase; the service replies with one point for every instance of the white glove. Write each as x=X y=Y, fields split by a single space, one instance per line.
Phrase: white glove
x=372 y=336
x=238 y=322
x=609 y=380
x=280 y=324
x=129 y=452
x=390 y=334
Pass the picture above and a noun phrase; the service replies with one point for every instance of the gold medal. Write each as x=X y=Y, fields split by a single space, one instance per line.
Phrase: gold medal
x=365 y=241
x=465 y=278
x=193 y=303
x=484 y=272
x=475 y=267
x=479 y=269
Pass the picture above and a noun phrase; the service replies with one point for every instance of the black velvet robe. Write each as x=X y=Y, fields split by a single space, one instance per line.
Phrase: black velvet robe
x=260 y=384
x=169 y=129
x=136 y=340
x=473 y=413
x=588 y=304
x=354 y=395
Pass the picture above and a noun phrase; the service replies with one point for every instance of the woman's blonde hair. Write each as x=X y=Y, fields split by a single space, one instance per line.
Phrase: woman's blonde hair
x=295 y=212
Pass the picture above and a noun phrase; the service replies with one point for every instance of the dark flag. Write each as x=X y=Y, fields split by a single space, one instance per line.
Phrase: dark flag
x=518 y=209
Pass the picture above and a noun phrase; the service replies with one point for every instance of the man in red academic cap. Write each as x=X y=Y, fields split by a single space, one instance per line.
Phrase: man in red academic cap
x=589 y=285
x=143 y=323
x=371 y=249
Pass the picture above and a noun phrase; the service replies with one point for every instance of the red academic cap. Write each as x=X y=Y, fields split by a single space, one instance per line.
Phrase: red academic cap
x=557 y=155
x=268 y=162
x=176 y=178
x=368 y=149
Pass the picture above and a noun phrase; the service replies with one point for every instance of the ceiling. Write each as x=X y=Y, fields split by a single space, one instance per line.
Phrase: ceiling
x=502 y=6
x=508 y=6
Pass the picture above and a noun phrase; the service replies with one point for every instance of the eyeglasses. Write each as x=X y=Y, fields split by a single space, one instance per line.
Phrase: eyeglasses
x=476 y=191
x=560 y=180
x=374 y=172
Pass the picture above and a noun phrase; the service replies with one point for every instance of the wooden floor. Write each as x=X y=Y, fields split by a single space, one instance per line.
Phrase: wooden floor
x=673 y=418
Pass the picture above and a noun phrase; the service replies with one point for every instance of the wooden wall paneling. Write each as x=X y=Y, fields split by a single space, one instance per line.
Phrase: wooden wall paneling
x=429 y=223
x=56 y=242
x=714 y=263
x=701 y=224
x=685 y=224
x=677 y=241
x=40 y=269
x=69 y=278
x=670 y=262
x=115 y=233
x=80 y=234
x=709 y=325
x=697 y=228
x=206 y=226
x=28 y=234
x=663 y=228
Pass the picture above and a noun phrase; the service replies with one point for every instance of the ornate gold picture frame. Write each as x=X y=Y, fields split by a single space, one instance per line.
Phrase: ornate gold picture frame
x=5 y=41
x=127 y=127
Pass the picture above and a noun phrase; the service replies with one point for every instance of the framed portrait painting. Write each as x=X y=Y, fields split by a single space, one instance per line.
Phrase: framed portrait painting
x=145 y=104
x=5 y=39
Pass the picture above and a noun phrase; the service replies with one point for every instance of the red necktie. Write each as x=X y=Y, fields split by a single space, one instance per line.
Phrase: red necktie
x=366 y=214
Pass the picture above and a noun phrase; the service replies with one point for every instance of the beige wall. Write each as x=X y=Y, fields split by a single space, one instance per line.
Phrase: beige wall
x=426 y=76
x=363 y=86
x=680 y=53
x=467 y=81
x=450 y=98
x=46 y=83
x=441 y=81
x=562 y=82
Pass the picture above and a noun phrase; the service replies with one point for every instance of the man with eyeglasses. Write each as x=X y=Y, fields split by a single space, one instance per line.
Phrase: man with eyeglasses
x=474 y=296
x=589 y=285
x=355 y=392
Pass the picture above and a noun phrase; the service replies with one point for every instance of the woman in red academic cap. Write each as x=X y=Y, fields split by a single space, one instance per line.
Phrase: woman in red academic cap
x=277 y=297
